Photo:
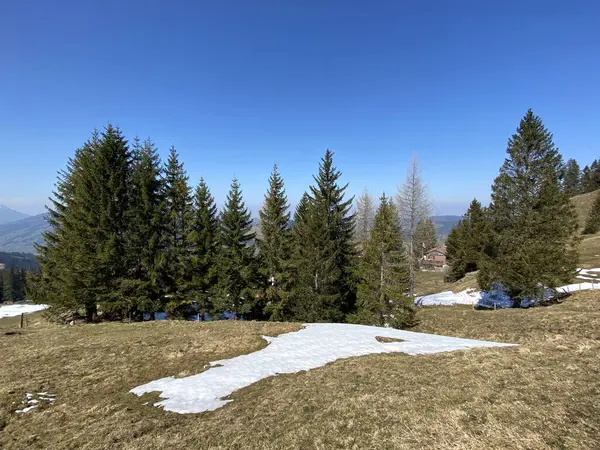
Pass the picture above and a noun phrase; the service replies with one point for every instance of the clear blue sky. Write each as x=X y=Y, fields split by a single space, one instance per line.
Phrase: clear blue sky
x=239 y=85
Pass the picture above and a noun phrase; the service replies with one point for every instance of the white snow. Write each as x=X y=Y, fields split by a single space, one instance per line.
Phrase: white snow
x=579 y=287
x=26 y=409
x=17 y=310
x=313 y=346
x=449 y=298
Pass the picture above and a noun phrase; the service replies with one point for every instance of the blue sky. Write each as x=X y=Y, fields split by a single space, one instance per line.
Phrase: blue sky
x=239 y=85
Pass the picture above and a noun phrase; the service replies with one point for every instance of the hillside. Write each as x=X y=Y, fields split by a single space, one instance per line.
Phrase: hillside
x=583 y=204
x=20 y=236
x=8 y=215
x=589 y=248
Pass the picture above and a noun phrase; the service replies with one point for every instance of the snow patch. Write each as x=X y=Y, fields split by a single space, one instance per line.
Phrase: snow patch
x=449 y=298
x=314 y=346
x=17 y=310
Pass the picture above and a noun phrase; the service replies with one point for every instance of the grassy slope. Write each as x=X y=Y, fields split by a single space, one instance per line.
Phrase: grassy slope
x=589 y=249
x=542 y=394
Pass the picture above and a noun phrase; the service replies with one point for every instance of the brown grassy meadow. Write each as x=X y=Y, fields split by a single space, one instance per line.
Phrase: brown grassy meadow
x=544 y=394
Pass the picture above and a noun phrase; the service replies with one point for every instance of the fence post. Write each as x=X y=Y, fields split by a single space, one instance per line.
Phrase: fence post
x=22 y=317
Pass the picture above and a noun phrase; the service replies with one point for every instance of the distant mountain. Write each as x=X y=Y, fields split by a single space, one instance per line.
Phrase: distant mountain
x=443 y=224
x=20 y=236
x=8 y=215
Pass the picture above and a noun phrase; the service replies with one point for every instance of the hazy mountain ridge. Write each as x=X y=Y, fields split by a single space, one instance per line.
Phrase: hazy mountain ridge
x=444 y=224
x=21 y=235
x=8 y=215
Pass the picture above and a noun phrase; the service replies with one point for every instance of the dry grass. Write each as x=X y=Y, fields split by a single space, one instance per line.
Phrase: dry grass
x=543 y=394
x=433 y=282
x=583 y=204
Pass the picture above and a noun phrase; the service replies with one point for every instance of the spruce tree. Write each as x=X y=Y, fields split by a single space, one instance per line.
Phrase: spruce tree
x=203 y=241
x=55 y=284
x=237 y=285
x=146 y=236
x=572 y=180
x=592 y=224
x=384 y=273
x=324 y=254
x=83 y=258
x=103 y=212
x=533 y=222
x=8 y=287
x=178 y=209
x=467 y=242
x=274 y=249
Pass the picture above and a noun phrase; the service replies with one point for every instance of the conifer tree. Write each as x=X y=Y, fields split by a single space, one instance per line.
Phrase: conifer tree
x=572 y=180
x=55 y=284
x=8 y=285
x=2 y=286
x=178 y=208
x=590 y=177
x=592 y=224
x=103 y=222
x=203 y=240
x=83 y=258
x=533 y=222
x=236 y=258
x=146 y=237
x=324 y=255
x=384 y=273
x=467 y=242
x=274 y=249
x=425 y=237
x=365 y=211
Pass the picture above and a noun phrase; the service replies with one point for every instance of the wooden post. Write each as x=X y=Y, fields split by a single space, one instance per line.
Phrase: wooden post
x=22 y=318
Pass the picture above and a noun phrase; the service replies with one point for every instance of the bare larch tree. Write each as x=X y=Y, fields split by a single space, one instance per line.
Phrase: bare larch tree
x=413 y=206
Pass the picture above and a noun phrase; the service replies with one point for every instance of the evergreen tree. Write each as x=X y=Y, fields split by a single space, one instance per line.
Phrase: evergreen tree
x=592 y=224
x=365 y=211
x=54 y=285
x=2 y=286
x=590 y=177
x=104 y=225
x=425 y=238
x=324 y=252
x=8 y=285
x=236 y=258
x=178 y=209
x=83 y=258
x=274 y=249
x=467 y=242
x=533 y=222
x=203 y=240
x=572 y=181
x=146 y=238
x=384 y=273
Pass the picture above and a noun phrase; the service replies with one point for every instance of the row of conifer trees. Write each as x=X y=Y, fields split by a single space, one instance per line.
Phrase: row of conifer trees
x=129 y=238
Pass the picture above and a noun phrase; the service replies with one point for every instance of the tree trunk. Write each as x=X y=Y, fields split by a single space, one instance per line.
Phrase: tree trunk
x=91 y=313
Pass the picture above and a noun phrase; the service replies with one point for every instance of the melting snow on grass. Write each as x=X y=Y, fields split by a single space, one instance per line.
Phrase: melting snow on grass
x=17 y=310
x=484 y=299
x=313 y=346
